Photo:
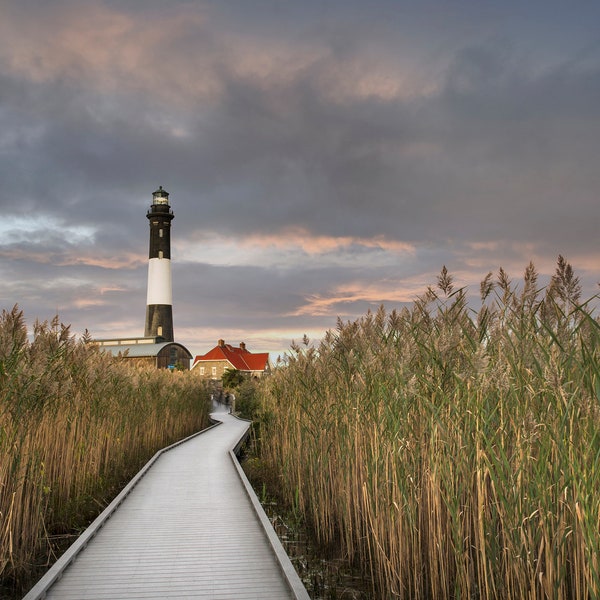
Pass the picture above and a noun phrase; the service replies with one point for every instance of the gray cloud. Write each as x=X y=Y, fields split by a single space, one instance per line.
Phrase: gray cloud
x=470 y=137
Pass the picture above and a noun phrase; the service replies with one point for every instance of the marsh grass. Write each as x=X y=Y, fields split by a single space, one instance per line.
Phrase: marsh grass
x=75 y=424
x=452 y=453
x=325 y=572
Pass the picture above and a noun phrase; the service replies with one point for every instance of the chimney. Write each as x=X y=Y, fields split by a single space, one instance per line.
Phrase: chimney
x=242 y=346
x=221 y=343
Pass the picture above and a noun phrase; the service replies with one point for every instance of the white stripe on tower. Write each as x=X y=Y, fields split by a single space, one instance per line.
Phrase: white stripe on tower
x=159 y=281
x=159 y=302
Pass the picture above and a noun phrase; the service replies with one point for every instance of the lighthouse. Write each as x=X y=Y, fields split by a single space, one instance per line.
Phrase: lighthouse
x=159 y=304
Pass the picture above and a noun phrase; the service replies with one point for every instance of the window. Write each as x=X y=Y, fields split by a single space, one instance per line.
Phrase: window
x=201 y=370
x=160 y=254
x=214 y=371
x=160 y=233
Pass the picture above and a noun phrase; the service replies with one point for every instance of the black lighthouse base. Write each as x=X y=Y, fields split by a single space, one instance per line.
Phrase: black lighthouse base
x=159 y=321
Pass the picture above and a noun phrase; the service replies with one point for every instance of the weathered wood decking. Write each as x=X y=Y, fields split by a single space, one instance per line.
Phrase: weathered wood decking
x=189 y=527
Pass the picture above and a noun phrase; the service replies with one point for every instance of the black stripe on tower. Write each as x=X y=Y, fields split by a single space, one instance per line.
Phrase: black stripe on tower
x=160 y=216
x=159 y=321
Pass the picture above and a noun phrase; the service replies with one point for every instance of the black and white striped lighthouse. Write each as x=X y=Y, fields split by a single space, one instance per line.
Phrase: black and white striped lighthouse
x=159 y=304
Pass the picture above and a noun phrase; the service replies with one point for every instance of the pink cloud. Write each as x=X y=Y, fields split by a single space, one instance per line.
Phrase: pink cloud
x=43 y=257
x=122 y=261
x=111 y=51
x=319 y=244
x=383 y=292
x=513 y=257
x=82 y=303
x=107 y=50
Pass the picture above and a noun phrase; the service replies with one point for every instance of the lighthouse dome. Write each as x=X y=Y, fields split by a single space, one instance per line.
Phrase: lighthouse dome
x=161 y=192
x=160 y=196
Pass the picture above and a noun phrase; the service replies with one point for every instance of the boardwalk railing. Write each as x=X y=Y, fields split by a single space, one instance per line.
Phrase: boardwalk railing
x=197 y=478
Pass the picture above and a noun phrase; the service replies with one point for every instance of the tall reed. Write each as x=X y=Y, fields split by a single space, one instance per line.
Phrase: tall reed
x=74 y=424
x=455 y=454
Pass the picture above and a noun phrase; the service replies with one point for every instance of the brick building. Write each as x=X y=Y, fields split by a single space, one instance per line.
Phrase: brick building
x=222 y=357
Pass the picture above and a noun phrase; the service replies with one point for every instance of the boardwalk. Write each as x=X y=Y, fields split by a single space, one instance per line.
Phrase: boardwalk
x=188 y=529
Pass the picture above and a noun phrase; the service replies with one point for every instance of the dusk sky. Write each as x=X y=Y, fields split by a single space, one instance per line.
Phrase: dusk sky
x=322 y=158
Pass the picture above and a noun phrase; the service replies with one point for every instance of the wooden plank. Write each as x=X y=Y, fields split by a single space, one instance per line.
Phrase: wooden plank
x=189 y=528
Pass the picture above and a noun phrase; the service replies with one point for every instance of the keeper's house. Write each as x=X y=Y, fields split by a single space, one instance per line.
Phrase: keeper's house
x=222 y=357
x=152 y=352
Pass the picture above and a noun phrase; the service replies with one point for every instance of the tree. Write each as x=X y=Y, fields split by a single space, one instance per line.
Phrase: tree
x=232 y=378
x=247 y=401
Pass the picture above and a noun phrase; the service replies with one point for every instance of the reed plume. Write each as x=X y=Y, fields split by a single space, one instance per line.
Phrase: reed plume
x=75 y=425
x=453 y=452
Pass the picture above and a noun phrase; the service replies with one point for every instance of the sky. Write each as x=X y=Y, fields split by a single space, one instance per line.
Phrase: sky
x=322 y=158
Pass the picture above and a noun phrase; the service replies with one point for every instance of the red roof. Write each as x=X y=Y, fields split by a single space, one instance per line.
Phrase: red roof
x=240 y=358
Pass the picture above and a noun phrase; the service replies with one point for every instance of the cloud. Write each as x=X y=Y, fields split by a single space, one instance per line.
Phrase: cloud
x=284 y=141
x=320 y=159
x=344 y=300
x=292 y=247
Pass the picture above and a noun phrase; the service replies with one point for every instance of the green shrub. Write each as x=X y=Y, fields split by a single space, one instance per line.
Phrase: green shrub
x=246 y=399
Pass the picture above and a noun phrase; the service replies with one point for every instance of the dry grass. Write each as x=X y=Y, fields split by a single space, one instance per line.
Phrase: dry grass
x=456 y=454
x=74 y=423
